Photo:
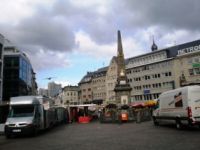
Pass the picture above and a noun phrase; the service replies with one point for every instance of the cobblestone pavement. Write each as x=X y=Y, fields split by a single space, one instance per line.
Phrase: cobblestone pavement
x=96 y=136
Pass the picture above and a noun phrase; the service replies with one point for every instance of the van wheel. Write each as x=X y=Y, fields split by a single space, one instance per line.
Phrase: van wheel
x=178 y=124
x=156 y=123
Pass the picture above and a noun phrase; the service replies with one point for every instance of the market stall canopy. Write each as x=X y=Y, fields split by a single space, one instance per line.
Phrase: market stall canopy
x=151 y=103
x=138 y=104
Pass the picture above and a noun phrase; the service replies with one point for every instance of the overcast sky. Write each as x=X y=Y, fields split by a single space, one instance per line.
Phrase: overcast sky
x=66 y=38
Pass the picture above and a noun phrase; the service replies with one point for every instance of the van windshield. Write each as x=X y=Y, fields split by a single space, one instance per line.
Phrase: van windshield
x=21 y=111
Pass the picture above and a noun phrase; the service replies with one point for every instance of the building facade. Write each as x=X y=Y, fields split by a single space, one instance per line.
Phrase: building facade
x=70 y=95
x=54 y=89
x=85 y=86
x=99 y=86
x=1 y=64
x=18 y=75
x=111 y=80
x=188 y=67
x=43 y=92
x=155 y=72
x=161 y=70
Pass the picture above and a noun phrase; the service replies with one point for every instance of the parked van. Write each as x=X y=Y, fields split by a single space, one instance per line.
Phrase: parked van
x=179 y=106
x=29 y=114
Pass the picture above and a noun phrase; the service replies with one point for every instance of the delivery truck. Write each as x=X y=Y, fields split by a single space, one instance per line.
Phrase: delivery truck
x=30 y=114
x=180 y=106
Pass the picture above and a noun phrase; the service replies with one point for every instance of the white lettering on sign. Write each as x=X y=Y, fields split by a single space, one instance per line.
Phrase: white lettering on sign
x=189 y=50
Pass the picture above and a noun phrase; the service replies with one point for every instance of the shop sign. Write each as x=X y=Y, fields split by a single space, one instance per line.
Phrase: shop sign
x=196 y=65
x=189 y=50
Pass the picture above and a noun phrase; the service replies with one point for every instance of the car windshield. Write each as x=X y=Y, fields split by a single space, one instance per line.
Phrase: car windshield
x=21 y=111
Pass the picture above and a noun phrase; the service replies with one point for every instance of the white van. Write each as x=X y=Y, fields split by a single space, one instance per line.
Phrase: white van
x=29 y=114
x=179 y=106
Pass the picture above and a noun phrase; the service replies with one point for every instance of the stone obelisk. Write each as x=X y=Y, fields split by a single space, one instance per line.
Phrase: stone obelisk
x=122 y=88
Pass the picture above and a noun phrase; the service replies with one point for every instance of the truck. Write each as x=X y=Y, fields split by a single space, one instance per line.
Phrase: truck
x=30 y=114
x=180 y=106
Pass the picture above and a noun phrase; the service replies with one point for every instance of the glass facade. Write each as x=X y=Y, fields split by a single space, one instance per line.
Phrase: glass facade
x=1 y=67
x=25 y=71
x=17 y=79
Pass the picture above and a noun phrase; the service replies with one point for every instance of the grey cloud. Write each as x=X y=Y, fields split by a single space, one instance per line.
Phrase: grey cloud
x=47 y=32
x=173 y=14
x=131 y=15
x=47 y=60
x=53 y=29
x=101 y=28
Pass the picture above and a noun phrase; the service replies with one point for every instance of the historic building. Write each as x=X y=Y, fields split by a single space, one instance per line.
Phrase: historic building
x=18 y=75
x=111 y=80
x=70 y=95
x=149 y=74
x=85 y=86
x=99 y=86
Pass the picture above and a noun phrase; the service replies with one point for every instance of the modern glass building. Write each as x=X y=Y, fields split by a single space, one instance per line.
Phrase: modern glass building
x=18 y=75
x=1 y=64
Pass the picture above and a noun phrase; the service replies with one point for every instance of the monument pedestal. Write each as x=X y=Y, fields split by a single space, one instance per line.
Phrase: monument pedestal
x=123 y=93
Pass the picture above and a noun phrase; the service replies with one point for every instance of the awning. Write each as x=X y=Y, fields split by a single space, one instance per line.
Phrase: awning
x=150 y=103
x=138 y=104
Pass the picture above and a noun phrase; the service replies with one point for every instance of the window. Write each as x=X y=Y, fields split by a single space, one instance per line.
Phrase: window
x=197 y=71
x=159 y=84
x=190 y=61
x=191 y=72
x=196 y=60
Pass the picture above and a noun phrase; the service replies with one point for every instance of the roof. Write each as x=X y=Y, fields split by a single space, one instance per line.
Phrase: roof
x=90 y=75
x=172 y=51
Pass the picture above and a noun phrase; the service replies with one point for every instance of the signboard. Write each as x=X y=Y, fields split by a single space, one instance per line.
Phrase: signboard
x=189 y=50
x=196 y=65
x=124 y=99
x=146 y=91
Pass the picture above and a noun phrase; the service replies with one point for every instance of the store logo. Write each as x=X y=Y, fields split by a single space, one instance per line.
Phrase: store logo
x=189 y=50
